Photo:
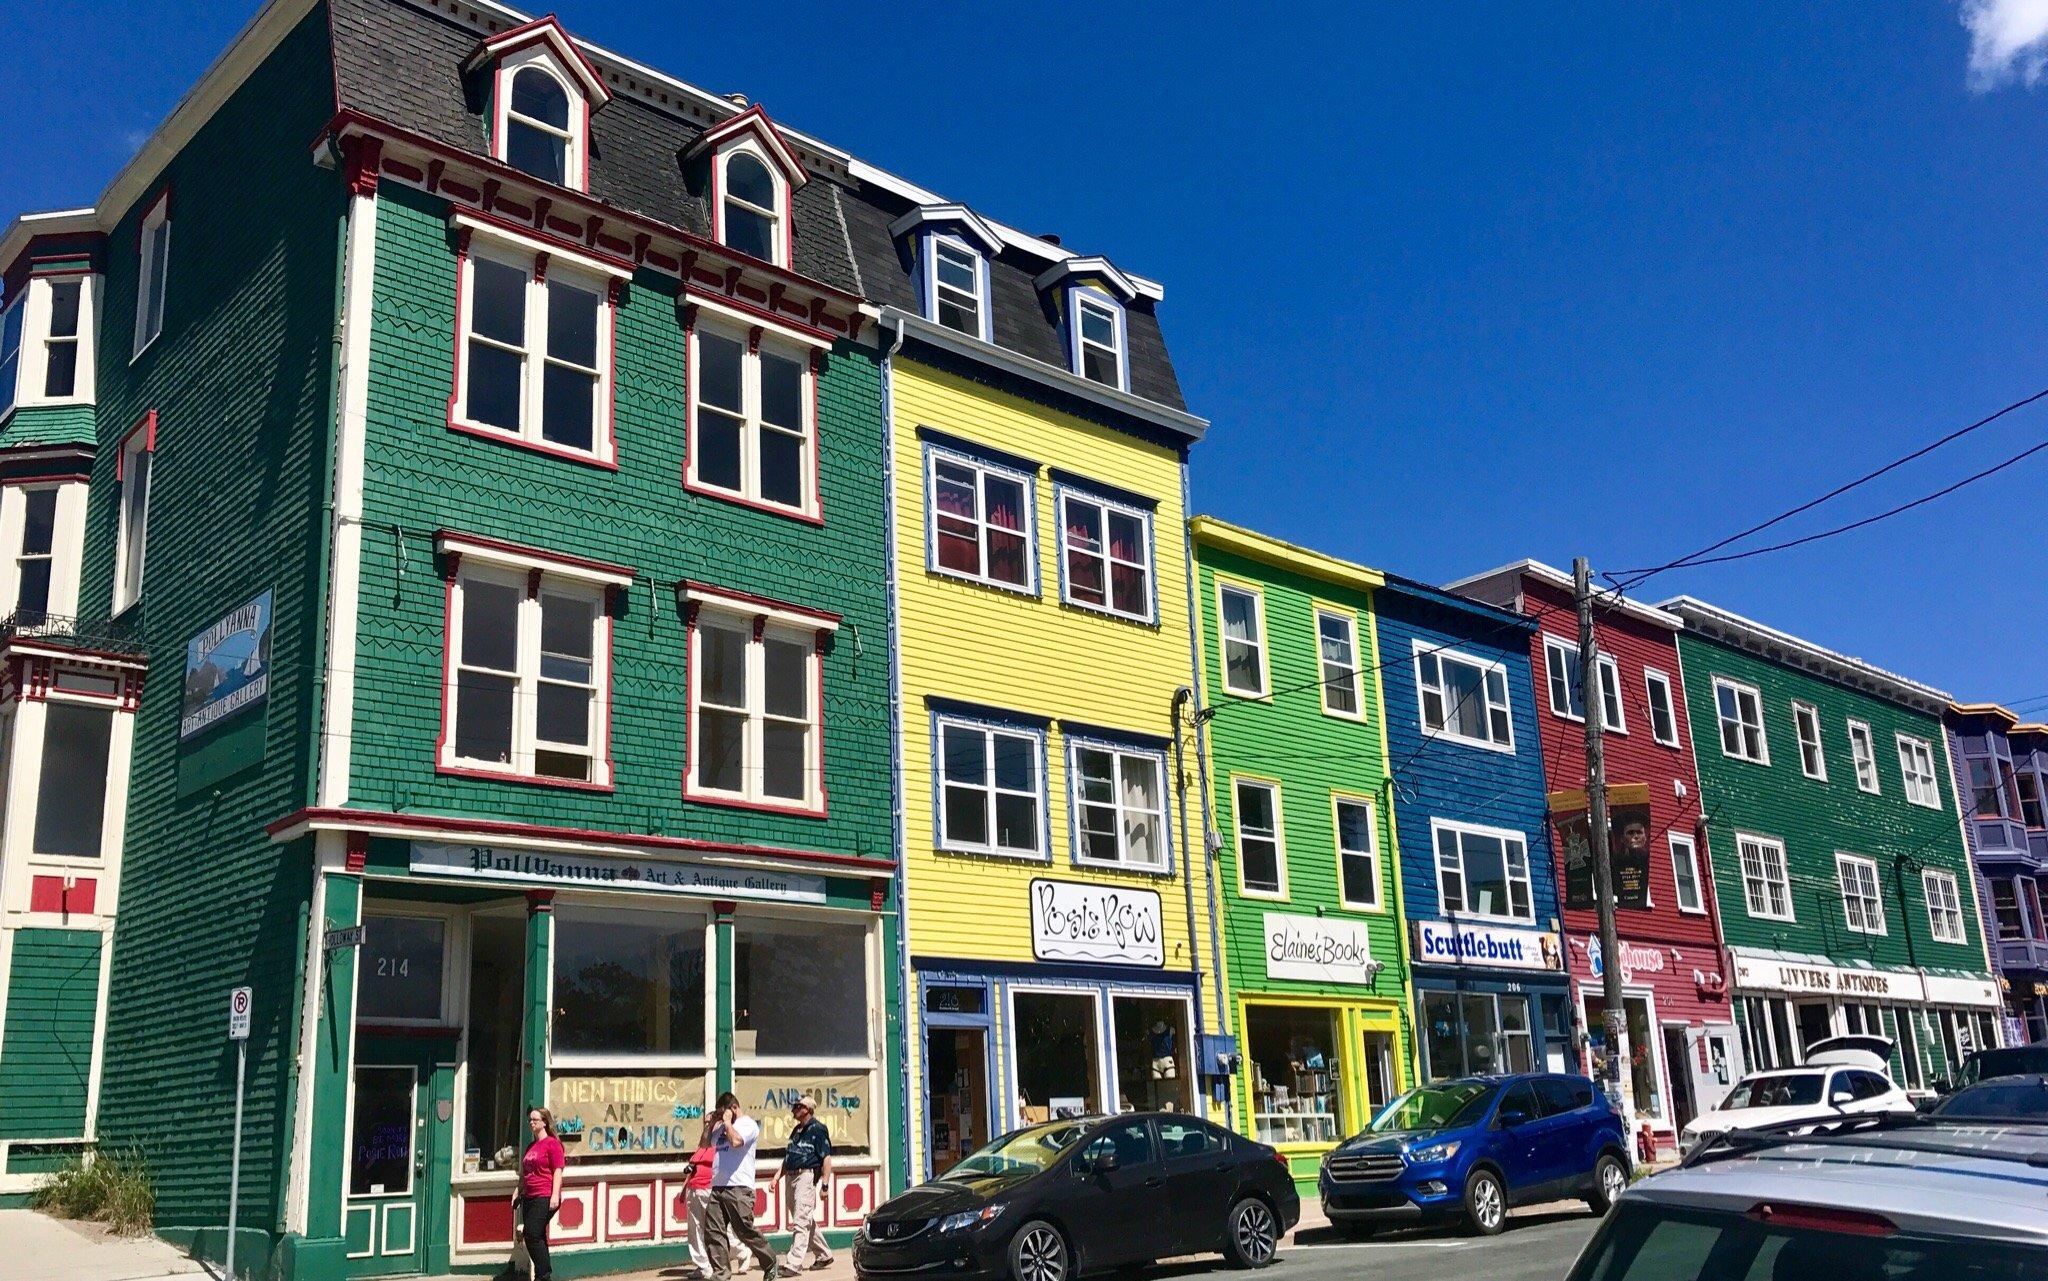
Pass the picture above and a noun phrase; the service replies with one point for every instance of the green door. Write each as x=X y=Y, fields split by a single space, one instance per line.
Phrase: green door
x=401 y=1110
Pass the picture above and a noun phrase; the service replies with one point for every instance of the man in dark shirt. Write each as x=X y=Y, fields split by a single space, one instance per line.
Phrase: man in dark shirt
x=806 y=1165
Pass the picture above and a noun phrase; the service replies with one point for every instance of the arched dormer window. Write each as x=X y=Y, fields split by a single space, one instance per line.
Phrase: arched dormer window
x=751 y=207
x=542 y=93
x=753 y=175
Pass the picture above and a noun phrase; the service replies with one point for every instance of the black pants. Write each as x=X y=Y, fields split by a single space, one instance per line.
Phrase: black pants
x=534 y=1214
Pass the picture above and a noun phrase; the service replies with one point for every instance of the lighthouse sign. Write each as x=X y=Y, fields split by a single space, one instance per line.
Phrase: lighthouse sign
x=227 y=667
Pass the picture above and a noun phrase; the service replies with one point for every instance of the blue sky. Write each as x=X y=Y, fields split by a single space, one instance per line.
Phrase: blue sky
x=1456 y=283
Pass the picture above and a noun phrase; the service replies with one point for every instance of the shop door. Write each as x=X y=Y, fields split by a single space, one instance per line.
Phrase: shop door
x=956 y=1083
x=1378 y=1074
x=401 y=1102
x=1679 y=1064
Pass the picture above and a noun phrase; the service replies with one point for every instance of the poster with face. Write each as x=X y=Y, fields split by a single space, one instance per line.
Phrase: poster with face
x=1628 y=844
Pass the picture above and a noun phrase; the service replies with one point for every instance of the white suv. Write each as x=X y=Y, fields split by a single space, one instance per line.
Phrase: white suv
x=1842 y=1074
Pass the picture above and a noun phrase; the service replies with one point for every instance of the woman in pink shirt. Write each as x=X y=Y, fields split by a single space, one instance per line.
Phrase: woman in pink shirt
x=540 y=1189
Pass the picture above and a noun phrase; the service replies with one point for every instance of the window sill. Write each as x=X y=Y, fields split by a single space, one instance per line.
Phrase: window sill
x=456 y=769
x=1663 y=742
x=992 y=584
x=691 y=486
x=1158 y=873
x=1367 y=909
x=1483 y=744
x=1099 y=611
x=728 y=801
x=1264 y=896
x=1746 y=760
x=1755 y=915
x=1355 y=718
x=1008 y=856
x=500 y=436
x=1263 y=696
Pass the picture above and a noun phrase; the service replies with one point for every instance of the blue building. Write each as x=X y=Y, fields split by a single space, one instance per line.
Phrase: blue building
x=1470 y=812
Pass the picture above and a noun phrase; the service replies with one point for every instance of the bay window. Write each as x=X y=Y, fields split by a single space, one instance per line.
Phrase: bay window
x=72 y=784
x=981 y=521
x=1464 y=698
x=991 y=788
x=1482 y=871
x=753 y=427
x=755 y=733
x=1106 y=551
x=42 y=529
x=12 y=321
x=1119 y=805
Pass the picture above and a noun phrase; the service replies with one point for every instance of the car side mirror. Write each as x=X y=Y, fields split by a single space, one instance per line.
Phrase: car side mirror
x=1512 y=1117
x=1943 y=1087
x=1103 y=1163
x=1839 y=1097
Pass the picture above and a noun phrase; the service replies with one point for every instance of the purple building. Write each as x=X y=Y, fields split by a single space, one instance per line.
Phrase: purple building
x=2002 y=775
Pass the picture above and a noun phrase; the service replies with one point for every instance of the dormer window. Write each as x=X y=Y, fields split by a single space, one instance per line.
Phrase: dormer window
x=751 y=211
x=957 y=287
x=1098 y=339
x=953 y=248
x=753 y=175
x=543 y=91
x=1092 y=296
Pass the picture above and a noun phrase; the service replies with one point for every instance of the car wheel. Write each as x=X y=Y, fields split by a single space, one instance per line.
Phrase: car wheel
x=1039 y=1253
x=1486 y=1203
x=1254 y=1236
x=1610 y=1180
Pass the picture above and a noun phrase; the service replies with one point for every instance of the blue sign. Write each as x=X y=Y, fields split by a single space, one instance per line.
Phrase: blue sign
x=227 y=668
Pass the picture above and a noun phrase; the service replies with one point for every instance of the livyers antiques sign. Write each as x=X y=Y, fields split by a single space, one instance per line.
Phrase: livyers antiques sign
x=610 y=1115
x=1105 y=923
x=497 y=863
x=1319 y=949
x=1827 y=980
x=1459 y=943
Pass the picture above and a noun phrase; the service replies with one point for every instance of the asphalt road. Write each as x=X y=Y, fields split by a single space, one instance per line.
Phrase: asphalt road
x=1540 y=1244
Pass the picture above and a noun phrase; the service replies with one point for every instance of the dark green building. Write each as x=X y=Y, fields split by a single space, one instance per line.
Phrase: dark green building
x=1846 y=899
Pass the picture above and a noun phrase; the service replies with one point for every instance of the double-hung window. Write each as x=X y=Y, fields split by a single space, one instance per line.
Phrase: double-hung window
x=2005 y=910
x=958 y=298
x=1358 y=857
x=538 y=136
x=991 y=788
x=1464 y=698
x=1119 y=804
x=1944 y=906
x=131 y=537
x=1813 y=761
x=2027 y=786
x=756 y=737
x=750 y=207
x=1663 y=708
x=152 y=275
x=534 y=362
x=1862 y=907
x=1098 y=339
x=1243 y=611
x=1562 y=670
x=61 y=341
x=529 y=645
x=1106 y=551
x=1916 y=768
x=752 y=436
x=1766 y=888
x=981 y=521
x=1337 y=656
x=36 y=558
x=1482 y=871
x=1685 y=873
x=1863 y=755
x=12 y=322
x=1261 y=855
x=1741 y=711
x=46 y=342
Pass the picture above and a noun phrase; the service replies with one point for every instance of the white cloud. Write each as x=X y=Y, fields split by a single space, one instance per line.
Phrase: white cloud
x=2008 y=42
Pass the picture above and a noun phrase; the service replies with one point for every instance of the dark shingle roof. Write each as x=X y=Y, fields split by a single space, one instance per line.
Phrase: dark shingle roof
x=403 y=64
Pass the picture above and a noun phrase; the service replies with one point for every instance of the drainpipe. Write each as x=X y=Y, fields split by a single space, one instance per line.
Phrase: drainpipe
x=911 y=1020
x=1182 y=697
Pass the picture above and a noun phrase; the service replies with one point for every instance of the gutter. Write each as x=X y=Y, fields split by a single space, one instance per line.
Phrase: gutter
x=897 y=784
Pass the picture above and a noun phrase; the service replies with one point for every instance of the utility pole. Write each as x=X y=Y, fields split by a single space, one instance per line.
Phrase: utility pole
x=1616 y=1017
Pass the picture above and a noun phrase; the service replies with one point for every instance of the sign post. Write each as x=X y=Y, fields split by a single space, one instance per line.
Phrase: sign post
x=239 y=1002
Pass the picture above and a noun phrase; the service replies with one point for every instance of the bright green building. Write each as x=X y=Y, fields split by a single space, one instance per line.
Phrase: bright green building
x=1844 y=885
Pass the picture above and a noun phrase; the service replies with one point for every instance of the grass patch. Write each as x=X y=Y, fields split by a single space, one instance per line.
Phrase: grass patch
x=109 y=1188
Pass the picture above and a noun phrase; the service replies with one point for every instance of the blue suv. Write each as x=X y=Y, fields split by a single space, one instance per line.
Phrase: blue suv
x=1474 y=1147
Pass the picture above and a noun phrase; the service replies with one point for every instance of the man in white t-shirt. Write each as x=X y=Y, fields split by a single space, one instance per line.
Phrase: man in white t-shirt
x=730 y=1216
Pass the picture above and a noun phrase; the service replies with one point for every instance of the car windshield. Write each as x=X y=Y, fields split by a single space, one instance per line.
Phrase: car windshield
x=1642 y=1242
x=1797 y=1090
x=1436 y=1107
x=1022 y=1152
x=2020 y=1098
x=2010 y=1061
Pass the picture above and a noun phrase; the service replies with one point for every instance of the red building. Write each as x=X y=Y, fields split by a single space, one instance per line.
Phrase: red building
x=1681 y=1050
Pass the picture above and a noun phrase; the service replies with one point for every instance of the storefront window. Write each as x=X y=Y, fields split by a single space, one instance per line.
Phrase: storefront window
x=1152 y=1072
x=1296 y=1085
x=1641 y=1069
x=1471 y=1033
x=494 y=1122
x=628 y=982
x=800 y=988
x=1815 y=1024
x=1908 y=1047
x=845 y=1105
x=1057 y=1054
x=398 y=978
x=656 y=1114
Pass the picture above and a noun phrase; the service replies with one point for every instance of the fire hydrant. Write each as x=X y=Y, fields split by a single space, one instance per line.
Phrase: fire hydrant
x=1646 y=1144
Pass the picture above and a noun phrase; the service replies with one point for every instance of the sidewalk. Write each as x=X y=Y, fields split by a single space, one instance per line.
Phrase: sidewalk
x=36 y=1247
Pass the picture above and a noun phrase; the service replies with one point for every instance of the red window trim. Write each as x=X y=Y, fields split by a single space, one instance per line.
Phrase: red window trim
x=146 y=423
x=163 y=200
x=785 y=214
x=691 y=485
x=501 y=107
x=743 y=602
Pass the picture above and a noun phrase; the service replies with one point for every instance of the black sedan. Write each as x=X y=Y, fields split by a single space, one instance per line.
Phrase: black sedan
x=1052 y=1202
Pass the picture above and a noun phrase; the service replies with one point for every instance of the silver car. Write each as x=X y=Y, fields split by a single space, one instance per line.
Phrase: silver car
x=1866 y=1198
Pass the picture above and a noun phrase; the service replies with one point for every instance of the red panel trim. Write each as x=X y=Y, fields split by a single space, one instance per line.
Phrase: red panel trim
x=48 y=894
x=749 y=598
x=564 y=559
x=486 y=1220
x=146 y=423
x=573 y=247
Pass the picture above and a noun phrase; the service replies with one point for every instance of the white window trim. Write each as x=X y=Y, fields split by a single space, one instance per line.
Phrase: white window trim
x=1069 y=493
x=1791 y=912
x=1423 y=649
x=778 y=240
x=1929 y=878
x=1843 y=860
x=523 y=253
x=131 y=546
x=1907 y=743
x=1223 y=639
x=751 y=423
x=1611 y=670
x=1272 y=786
x=1504 y=834
x=505 y=566
x=1803 y=715
x=756 y=619
x=1678 y=840
x=32 y=364
x=1372 y=837
x=1075 y=743
x=1866 y=763
x=1763 y=733
x=1555 y=648
x=1653 y=679
x=67 y=545
x=1350 y=621
x=982 y=310
x=147 y=266
x=1556 y=651
x=1042 y=851
x=934 y=454
x=1097 y=297
x=576 y=163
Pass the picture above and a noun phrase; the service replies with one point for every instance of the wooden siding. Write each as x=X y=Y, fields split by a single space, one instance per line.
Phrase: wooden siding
x=52 y=1007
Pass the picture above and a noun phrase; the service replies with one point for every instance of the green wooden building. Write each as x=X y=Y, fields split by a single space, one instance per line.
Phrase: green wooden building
x=1843 y=882
x=1306 y=866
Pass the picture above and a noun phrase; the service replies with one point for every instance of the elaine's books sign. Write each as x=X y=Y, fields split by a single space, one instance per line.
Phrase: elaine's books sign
x=498 y=863
x=1103 y=923
x=1319 y=949
x=227 y=668
x=1460 y=943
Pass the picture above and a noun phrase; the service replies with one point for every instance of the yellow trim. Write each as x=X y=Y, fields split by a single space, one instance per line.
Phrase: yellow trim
x=1379 y=694
x=1284 y=555
x=1279 y=836
x=1316 y=606
x=1356 y=1015
x=1257 y=589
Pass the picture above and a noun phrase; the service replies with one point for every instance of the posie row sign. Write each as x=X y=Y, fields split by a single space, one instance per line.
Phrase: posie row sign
x=1111 y=924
